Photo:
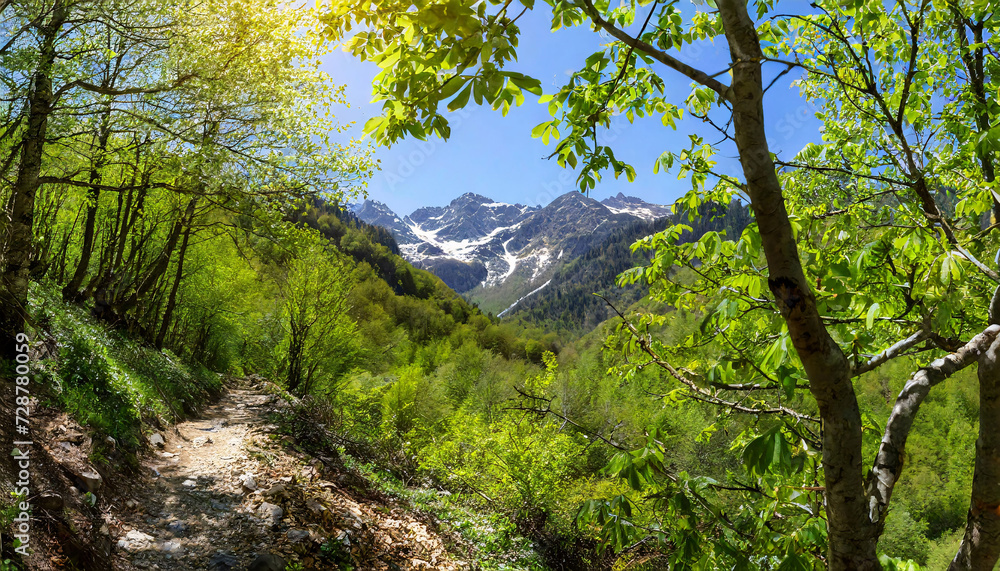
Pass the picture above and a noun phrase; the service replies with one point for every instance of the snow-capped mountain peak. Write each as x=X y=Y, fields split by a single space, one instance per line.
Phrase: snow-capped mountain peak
x=621 y=204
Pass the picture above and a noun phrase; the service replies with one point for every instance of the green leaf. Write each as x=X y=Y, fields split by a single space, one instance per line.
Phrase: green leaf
x=529 y=84
x=788 y=380
x=451 y=86
x=668 y=120
x=873 y=313
x=462 y=99
x=374 y=124
x=768 y=452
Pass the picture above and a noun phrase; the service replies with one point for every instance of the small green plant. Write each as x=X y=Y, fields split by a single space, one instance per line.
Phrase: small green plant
x=334 y=552
x=97 y=457
x=262 y=455
x=9 y=512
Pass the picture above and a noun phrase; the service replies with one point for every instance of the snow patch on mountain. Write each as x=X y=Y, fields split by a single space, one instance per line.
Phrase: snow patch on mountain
x=644 y=213
x=621 y=204
x=464 y=250
x=510 y=259
x=531 y=293
x=543 y=259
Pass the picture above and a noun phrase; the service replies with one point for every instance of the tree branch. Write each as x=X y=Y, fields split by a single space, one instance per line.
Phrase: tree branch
x=104 y=90
x=890 y=353
x=696 y=75
x=888 y=463
x=698 y=392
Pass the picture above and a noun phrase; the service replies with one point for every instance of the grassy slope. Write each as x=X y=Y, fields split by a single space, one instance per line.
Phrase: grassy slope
x=106 y=379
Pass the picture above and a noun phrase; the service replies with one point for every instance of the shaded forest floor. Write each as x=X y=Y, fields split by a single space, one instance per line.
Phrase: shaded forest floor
x=225 y=492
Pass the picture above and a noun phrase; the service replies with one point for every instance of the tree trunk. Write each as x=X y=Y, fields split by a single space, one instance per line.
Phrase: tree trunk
x=852 y=535
x=172 y=297
x=148 y=281
x=20 y=230
x=296 y=341
x=72 y=290
x=980 y=547
x=131 y=214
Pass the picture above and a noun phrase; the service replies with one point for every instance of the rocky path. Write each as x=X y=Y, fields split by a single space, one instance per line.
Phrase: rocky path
x=225 y=493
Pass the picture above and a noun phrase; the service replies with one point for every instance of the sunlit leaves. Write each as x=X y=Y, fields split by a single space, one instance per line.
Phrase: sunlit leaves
x=424 y=52
x=705 y=530
x=522 y=463
x=872 y=313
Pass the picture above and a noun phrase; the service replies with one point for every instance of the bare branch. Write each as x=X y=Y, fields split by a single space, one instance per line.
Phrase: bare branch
x=564 y=418
x=890 y=353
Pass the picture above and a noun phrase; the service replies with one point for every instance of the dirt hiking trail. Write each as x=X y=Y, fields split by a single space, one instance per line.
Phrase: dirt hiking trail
x=226 y=493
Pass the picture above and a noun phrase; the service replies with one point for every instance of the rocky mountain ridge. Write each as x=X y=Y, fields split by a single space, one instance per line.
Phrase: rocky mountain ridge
x=498 y=253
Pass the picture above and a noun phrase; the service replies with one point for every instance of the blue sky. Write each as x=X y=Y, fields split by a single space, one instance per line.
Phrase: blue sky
x=496 y=156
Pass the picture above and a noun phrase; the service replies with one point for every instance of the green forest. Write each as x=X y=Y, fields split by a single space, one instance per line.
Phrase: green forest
x=209 y=361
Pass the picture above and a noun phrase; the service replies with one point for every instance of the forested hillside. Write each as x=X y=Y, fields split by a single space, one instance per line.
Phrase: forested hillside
x=585 y=292
x=210 y=362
